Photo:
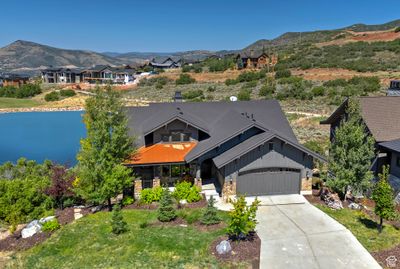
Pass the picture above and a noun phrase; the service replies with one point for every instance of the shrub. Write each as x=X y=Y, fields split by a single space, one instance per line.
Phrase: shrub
x=397 y=29
x=143 y=224
x=53 y=96
x=166 y=212
x=118 y=223
x=50 y=226
x=25 y=91
x=283 y=73
x=383 y=198
x=229 y=82
x=154 y=81
x=186 y=191
x=250 y=76
x=184 y=79
x=267 y=90
x=318 y=91
x=193 y=94
x=191 y=216
x=67 y=93
x=244 y=95
x=61 y=185
x=210 y=215
x=242 y=218
x=146 y=196
x=157 y=193
x=127 y=200
x=211 y=88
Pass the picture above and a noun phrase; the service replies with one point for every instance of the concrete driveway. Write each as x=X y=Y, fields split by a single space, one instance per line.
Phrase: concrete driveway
x=295 y=234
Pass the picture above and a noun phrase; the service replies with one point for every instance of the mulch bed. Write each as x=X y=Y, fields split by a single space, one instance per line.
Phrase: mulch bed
x=242 y=251
x=381 y=256
x=16 y=243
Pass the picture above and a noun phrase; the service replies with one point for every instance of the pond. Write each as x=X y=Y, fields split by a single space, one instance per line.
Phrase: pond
x=41 y=135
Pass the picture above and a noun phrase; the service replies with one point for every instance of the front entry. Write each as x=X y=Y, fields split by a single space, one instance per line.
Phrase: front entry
x=269 y=181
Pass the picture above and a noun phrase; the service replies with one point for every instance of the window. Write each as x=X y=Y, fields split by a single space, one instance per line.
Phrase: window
x=185 y=137
x=398 y=161
x=165 y=138
x=176 y=136
x=271 y=146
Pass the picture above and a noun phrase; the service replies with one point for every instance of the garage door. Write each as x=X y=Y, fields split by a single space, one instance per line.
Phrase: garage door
x=268 y=182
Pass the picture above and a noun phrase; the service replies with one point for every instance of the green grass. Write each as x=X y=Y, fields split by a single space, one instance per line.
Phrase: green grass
x=365 y=228
x=17 y=103
x=89 y=243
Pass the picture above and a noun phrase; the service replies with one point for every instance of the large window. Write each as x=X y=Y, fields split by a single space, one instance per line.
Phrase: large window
x=175 y=136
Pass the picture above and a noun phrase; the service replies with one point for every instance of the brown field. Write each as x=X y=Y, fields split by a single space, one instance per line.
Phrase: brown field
x=372 y=36
x=205 y=76
x=324 y=74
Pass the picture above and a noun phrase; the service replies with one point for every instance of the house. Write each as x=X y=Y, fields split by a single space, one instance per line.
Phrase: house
x=61 y=75
x=13 y=79
x=258 y=60
x=106 y=74
x=166 y=62
x=241 y=147
x=380 y=117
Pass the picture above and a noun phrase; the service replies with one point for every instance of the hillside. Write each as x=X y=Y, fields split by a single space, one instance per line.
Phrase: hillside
x=26 y=56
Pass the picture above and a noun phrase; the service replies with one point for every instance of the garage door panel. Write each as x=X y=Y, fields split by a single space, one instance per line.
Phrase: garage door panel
x=268 y=182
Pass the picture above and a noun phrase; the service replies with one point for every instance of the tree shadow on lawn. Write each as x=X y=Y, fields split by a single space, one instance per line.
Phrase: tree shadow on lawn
x=370 y=224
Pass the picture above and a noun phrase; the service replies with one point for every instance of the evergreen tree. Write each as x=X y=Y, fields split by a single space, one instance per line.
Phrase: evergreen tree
x=383 y=197
x=350 y=154
x=118 y=223
x=166 y=211
x=211 y=214
x=107 y=144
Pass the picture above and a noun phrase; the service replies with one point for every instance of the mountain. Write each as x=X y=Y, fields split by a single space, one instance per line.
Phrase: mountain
x=26 y=55
x=291 y=38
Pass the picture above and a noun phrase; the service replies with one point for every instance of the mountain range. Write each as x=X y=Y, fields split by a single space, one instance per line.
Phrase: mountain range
x=29 y=57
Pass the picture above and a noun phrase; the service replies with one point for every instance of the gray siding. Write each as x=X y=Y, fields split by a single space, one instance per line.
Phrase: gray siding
x=282 y=156
x=176 y=125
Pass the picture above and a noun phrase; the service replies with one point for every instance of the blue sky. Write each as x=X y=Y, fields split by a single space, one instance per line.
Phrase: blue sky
x=176 y=25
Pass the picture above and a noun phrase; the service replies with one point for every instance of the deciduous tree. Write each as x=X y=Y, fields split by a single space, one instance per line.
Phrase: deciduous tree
x=107 y=144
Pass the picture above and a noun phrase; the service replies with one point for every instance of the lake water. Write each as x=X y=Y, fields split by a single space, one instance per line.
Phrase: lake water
x=41 y=135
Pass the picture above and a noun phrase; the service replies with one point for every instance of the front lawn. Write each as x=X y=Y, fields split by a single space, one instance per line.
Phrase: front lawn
x=365 y=229
x=17 y=103
x=89 y=243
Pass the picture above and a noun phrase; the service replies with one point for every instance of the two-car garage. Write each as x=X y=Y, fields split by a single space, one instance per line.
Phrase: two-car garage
x=268 y=181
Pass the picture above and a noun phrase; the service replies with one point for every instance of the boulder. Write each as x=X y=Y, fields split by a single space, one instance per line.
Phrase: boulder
x=96 y=208
x=32 y=228
x=46 y=219
x=354 y=206
x=224 y=247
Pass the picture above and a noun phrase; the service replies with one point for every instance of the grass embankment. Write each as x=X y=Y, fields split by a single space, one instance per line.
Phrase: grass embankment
x=89 y=243
x=18 y=103
x=364 y=228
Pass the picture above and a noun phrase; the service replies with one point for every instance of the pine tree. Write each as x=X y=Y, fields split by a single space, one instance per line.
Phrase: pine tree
x=350 y=154
x=118 y=223
x=210 y=216
x=107 y=144
x=166 y=211
x=383 y=197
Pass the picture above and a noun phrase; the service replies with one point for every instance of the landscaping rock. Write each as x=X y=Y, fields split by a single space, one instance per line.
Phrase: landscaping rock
x=32 y=228
x=224 y=247
x=332 y=200
x=96 y=208
x=46 y=219
x=183 y=202
x=397 y=199
x=354 y=206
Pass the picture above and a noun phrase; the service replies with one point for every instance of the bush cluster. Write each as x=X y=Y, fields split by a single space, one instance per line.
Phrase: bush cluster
x=193 y=95
x=162 y=81
x=147 y=196
x=184 y=79
x=52 y=96
x=219 y=65
x=192 y=68
x=186 y=191
x=25 y=91
x=67 y=93
x=50 y=226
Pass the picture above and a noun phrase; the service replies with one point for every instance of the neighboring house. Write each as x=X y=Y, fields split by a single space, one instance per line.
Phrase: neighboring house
x=380 y=115
x=13 y=79
x=106 y=74
x=258 y=60
x=166 y=62
x=61 y=75
x=241 y=147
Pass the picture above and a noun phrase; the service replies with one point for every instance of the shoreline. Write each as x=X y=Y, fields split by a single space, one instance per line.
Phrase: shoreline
x=40 y=109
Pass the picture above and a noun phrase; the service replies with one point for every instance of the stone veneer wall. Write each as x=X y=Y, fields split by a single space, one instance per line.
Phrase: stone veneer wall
x=137 y=188
x=306 y=186
x=228 y=190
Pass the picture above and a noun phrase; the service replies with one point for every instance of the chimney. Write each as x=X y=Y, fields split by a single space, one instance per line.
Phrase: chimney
x=394 y=88
x=178 y=97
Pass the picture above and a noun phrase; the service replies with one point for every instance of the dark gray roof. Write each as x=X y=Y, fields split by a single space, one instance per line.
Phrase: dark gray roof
x=221 y=120
x=380 y=114
x=252 y=54
x=393 y=145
